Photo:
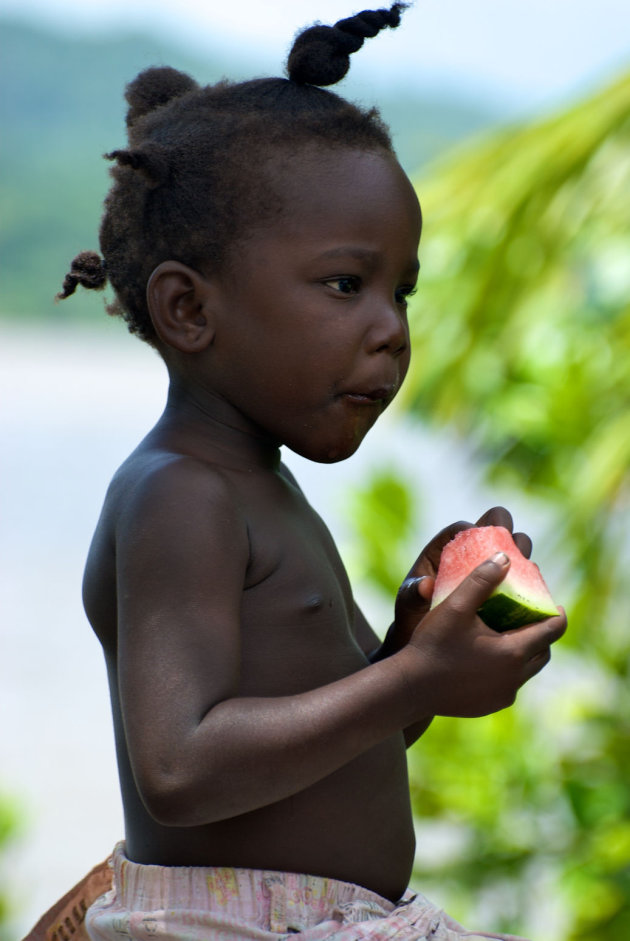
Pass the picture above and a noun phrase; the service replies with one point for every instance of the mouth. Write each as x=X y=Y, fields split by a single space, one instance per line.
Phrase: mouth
x=380 y=396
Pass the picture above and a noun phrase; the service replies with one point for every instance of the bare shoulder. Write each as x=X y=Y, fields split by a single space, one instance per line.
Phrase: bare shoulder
x=170 y=484
x=165 y=527
x=180 y=518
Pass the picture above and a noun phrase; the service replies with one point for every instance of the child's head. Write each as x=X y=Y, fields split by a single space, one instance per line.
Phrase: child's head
x=197 y=175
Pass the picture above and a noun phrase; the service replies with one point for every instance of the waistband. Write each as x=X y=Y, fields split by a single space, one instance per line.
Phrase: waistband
x=267 y=897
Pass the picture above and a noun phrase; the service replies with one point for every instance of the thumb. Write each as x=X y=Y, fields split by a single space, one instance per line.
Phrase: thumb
x=479 y=584
x=414 y=590
x=414 y=594
x=412 y=603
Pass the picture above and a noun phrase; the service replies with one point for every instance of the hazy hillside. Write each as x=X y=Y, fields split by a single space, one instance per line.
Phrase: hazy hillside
x=62 y=107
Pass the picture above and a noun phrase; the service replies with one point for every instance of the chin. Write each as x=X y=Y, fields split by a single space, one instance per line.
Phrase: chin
x=327 y=455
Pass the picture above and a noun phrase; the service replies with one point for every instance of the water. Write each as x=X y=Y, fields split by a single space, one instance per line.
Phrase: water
x=72 y=406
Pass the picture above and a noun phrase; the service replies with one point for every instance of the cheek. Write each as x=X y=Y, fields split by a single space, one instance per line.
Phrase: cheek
x=405 y=359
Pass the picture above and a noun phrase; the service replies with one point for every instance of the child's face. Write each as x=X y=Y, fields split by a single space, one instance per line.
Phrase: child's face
x=312 y=341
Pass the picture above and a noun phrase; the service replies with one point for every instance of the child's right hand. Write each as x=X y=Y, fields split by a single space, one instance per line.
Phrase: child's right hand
x=474 y=670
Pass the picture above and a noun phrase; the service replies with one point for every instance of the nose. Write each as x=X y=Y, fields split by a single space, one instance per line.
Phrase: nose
x=389 y=332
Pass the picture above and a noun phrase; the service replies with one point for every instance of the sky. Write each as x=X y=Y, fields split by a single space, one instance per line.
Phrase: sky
x=527 y=54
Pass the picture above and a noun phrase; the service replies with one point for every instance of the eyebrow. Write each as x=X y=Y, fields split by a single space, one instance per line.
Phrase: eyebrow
x=362 y=254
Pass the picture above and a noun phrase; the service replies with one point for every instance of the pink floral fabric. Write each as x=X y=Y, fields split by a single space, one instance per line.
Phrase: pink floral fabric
x=155 y=903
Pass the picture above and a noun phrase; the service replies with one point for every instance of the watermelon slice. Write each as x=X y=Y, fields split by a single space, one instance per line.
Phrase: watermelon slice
x=521 y=598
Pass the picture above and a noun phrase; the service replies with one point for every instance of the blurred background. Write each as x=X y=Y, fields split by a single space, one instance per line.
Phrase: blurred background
x=513 y=120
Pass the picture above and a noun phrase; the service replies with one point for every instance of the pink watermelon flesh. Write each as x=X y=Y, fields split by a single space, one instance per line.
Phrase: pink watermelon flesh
x=521 y=598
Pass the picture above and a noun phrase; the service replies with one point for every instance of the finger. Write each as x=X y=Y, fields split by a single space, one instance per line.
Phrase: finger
x=538 y=637
x=414 y=593
x=499 y=516
x=426 y=586
x=541 y=653
x=429 y=560
x=496 y=516
x=524 y=543
x=536 y=663
x=479 y=585
x=553 y=628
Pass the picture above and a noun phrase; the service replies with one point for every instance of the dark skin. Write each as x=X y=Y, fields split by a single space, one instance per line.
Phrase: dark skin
x=259 y=720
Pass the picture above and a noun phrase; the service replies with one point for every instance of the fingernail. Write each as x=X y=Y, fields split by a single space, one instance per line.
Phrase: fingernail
x=415 y=582
x=500 y=558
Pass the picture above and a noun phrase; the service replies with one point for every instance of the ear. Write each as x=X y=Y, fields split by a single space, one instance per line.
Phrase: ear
x=180 y=303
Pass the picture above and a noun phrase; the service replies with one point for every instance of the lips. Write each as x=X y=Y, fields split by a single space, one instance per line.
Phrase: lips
x=381 y=395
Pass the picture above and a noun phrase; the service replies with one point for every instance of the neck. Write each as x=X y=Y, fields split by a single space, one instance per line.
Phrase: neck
x=205 y=425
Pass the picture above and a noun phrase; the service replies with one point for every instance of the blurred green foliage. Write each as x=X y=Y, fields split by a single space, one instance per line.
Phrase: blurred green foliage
x=521 y=337
x=10 y=827
x=384 y=505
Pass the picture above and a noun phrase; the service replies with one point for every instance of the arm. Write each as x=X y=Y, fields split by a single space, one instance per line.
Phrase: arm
x=200 y=752
x=372 y=647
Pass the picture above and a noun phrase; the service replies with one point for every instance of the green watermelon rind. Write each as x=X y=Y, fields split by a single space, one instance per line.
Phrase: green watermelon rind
x=504 y=611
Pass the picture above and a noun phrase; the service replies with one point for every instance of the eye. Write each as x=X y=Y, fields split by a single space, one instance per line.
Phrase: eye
x=348 y=284
x=404 y=293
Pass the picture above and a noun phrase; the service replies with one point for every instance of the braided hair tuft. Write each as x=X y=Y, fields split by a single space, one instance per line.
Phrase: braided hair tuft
x=321 y=54
x=88 y=270
x=151 y=160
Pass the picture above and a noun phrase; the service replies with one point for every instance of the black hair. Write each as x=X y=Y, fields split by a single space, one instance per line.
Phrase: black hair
x=193 y=176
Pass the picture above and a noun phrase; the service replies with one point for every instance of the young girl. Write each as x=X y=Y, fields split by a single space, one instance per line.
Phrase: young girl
x=263 y=238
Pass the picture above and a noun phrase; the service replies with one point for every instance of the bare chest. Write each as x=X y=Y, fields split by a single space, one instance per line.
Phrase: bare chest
x=297 y=615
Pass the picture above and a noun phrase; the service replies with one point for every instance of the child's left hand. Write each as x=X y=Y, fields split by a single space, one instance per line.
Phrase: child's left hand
x=414 y=595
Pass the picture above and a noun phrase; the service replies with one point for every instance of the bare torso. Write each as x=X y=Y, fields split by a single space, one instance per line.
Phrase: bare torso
x=298 y=632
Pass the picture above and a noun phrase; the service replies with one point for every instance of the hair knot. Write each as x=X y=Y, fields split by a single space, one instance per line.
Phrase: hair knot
x=153 y=88
x=321 y=54
x=88 y=270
